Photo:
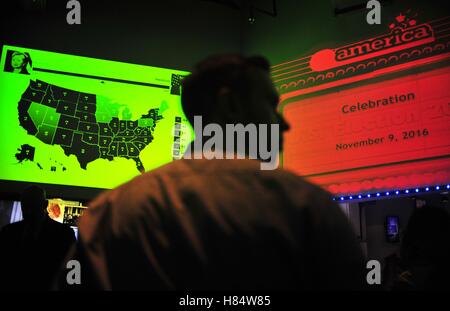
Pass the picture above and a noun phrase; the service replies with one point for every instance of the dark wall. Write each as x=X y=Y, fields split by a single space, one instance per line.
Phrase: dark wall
x=171 y=33
x=304 y=27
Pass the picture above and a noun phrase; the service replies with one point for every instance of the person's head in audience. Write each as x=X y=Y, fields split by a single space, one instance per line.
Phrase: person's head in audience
x=427 y=236
x=34 y=204
x=425 y=249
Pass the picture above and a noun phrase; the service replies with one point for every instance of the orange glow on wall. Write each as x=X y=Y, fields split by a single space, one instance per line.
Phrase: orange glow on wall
x=391 y=134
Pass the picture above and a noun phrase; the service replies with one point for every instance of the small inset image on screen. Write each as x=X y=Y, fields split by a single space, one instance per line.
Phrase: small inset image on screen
x=17 y=62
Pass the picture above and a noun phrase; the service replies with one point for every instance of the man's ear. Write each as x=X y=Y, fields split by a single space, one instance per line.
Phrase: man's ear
x=229 y=106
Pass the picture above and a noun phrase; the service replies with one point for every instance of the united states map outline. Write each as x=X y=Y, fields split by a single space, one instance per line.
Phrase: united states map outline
x=64 y=117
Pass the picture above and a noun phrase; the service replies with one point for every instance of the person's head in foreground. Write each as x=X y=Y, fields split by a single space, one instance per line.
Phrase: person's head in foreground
x=231 y=89
x=232 y=104
x=220 y=224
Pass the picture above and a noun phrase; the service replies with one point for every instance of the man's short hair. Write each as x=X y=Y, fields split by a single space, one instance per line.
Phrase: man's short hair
x=232 y=71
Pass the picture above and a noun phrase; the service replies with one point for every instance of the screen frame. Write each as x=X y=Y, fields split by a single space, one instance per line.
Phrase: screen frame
x=12 y=189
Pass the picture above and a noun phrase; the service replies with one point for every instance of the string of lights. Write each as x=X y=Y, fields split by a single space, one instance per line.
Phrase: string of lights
x=393 y=193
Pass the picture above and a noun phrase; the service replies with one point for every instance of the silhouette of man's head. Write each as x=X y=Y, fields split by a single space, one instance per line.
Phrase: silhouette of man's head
x=33 y=203
x=231 y=89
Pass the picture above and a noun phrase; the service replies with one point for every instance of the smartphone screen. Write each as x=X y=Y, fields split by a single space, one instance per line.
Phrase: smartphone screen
x=392 y=229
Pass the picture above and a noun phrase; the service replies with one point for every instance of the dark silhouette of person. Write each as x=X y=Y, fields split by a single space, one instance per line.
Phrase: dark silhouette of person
x=425 y=251
x=32 y=250
x=218 y=224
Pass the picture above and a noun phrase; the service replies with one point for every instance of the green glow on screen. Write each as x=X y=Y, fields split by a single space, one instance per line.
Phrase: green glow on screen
x=79 y=121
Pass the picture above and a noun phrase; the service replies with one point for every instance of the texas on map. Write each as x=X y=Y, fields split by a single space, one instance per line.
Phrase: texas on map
x=64 y=117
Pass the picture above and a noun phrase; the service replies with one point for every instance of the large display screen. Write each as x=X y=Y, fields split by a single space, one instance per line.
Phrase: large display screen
x=388 y=135
x=79 y=121
x=374 y=114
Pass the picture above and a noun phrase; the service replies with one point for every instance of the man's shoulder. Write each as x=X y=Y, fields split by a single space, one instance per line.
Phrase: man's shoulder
x=245 y=176
x=205 y=167
x=219 y=182
x=192 y=174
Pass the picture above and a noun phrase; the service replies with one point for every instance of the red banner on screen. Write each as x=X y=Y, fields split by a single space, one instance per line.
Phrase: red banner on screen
x=392 y=134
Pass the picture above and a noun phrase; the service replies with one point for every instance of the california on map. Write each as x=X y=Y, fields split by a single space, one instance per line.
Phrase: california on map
x=82 y=126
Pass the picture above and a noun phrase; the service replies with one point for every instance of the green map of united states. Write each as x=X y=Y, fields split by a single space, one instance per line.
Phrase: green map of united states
x=82 y=126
